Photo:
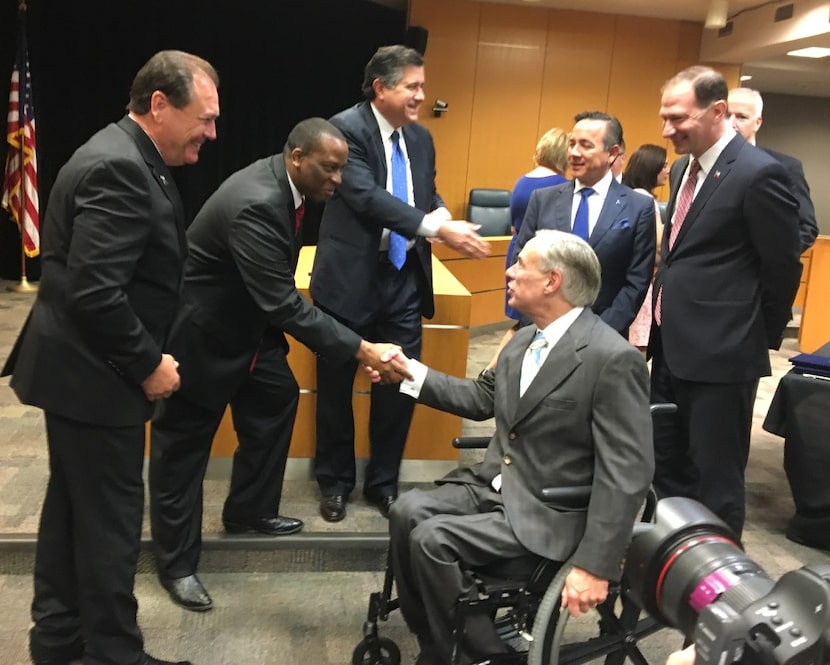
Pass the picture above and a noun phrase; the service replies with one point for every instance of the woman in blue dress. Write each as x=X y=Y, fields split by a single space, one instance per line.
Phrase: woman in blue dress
x=550 y=164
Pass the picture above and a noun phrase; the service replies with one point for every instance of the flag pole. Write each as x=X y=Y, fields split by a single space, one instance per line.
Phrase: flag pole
x=23 y=286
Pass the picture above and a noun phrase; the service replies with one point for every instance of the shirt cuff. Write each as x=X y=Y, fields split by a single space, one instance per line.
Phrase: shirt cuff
x=419 y=375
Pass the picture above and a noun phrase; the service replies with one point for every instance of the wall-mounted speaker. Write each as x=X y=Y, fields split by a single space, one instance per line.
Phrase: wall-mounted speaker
x=416 y=37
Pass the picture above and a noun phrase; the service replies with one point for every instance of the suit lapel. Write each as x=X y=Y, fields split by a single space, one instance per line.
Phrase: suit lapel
x=557 y=214
x=612 y=211
x=374 y=139
x=512 y=357
x=718 y=174
x=161 y=173
x=561 y=362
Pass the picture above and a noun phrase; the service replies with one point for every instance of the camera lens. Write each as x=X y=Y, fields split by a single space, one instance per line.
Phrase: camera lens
x=684 y=562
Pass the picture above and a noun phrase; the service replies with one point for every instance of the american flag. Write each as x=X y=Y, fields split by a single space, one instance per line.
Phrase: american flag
x=20 y=182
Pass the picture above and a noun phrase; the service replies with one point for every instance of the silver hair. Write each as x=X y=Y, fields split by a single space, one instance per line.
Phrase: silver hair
x=571 y=257
x=756 y=97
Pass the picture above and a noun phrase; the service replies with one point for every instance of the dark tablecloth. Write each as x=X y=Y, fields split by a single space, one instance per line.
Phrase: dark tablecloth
x=800 y=412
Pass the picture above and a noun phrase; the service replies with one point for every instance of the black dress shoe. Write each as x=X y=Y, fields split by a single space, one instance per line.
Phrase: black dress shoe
x=383 y=504
x=271 y=526
x=333 y=508
x=188 y=593
x=149 y=660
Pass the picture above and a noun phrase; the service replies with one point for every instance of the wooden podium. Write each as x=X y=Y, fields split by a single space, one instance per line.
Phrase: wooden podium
x=815 y=317
x=445 y=344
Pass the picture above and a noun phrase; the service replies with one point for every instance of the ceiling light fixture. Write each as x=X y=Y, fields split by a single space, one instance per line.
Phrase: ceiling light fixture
x=717 y=15
x=746 y=77
x=810 y=52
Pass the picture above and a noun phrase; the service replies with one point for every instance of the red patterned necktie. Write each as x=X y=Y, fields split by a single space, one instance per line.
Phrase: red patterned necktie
x=684 y=201
x=298 y=217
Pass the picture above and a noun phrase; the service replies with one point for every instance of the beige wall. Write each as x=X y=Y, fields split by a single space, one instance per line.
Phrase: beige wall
x=510 y=73
x=797 y=126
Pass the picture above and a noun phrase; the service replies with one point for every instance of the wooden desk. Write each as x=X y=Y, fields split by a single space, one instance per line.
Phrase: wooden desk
x=445 y=344
x=815 y=316
x=483 y=278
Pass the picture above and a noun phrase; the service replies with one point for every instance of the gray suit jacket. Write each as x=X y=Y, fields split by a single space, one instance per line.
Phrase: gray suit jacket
x=583 y=421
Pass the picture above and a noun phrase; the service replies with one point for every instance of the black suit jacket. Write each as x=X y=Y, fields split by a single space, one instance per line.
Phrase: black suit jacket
x=729 y=281
x=113 y=249
x=807 y=225
x=624 y=239
x=239 y=281
x=345 y=274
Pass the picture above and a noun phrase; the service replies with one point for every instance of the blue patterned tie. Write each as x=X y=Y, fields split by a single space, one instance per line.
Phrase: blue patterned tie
x=581 y=218
x=539 y=342
x=397 y=243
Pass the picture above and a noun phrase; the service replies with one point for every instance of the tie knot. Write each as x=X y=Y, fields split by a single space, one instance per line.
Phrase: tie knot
x=536 y=346
x=585 y=192
x=694 y=169
x=396 y=137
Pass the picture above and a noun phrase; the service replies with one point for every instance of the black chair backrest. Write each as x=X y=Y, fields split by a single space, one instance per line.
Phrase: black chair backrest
x=491 y=209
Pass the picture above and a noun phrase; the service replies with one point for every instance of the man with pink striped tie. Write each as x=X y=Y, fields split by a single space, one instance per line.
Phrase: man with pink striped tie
x=723 y=292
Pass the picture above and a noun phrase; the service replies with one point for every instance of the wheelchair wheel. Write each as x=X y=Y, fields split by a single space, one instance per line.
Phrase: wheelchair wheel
x=607 y=634
x=376 y=651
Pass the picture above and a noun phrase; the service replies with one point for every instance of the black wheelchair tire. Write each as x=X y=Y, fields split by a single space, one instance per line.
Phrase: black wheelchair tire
x=543 y=650
x=385 y=652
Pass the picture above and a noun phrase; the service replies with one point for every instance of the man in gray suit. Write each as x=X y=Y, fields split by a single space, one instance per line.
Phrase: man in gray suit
x=570 y=399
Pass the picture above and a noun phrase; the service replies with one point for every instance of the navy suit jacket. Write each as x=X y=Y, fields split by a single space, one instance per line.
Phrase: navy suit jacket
x=239 y=286
x=730 y=278
x=345 y=274
x=113 y=250
x=624 y=240
x=807 y=225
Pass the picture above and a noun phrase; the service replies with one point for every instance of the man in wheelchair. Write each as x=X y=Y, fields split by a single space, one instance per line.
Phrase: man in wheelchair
x=570 y=400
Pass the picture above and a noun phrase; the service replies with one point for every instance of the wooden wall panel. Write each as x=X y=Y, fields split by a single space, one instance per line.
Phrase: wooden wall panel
x=510 y=73
x=451 y=54
x=577 y=68
x=511 y=55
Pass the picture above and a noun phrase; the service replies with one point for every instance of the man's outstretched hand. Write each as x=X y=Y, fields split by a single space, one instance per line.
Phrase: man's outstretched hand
x=384 y=363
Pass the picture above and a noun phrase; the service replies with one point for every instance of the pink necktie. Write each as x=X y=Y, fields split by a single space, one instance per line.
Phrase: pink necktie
x=684 y=201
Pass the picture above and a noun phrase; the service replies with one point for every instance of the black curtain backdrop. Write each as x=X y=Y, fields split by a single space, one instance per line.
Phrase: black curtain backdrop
x=279 y=61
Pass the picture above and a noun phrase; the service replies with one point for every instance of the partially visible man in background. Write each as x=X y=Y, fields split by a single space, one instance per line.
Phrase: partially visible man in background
x=746 y=113
x=91 y=355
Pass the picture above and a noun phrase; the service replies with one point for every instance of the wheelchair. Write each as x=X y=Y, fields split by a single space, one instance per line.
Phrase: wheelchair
x=523 y=598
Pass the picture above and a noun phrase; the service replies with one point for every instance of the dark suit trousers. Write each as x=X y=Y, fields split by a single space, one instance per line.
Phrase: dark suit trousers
x=88 y=541
x=701 y=451
x=397 y=320
x=263 y=411
x=435 y=537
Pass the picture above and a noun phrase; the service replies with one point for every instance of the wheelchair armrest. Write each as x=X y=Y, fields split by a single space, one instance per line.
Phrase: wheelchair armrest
x=466 y=442
x=572 y=498
x=662 y=408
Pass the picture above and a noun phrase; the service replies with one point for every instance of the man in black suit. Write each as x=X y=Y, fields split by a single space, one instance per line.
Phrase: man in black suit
x=570 y=400
x=619 y=223
x=92 y=356
x=238 y=300
x=746 y=113
x=722 y=294
x=373 y=271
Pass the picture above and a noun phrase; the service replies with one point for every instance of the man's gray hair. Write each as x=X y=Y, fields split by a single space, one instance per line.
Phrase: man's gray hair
x=756 y=97
x=573 y=258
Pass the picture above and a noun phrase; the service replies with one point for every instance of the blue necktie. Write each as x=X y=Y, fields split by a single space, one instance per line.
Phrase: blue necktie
x=397 y=243
x=581 y=218
x=539 y=342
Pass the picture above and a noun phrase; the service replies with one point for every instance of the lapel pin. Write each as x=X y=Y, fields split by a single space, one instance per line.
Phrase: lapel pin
x=163 y=179
x=717 y=175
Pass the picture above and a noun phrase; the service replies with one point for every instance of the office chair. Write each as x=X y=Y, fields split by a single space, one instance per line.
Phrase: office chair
x=491 y=209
